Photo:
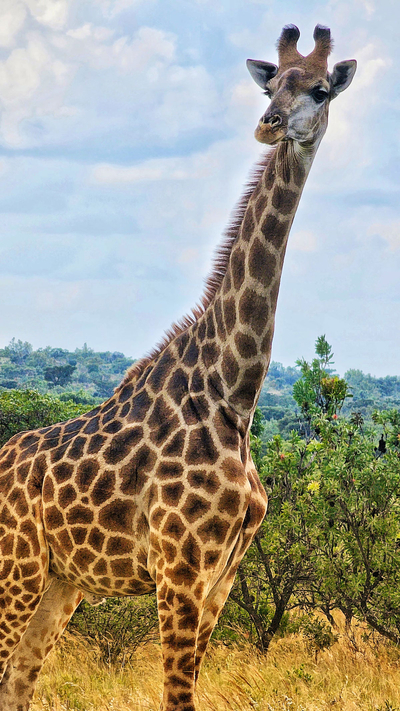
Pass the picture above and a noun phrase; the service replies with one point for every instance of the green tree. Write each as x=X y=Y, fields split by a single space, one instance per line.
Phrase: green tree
x=331 y=537
x=277 y=573
x=318 y=391
x=59 y=374
x=390 y=422
x=356 y=506
x=22 y=410
x=18 y=351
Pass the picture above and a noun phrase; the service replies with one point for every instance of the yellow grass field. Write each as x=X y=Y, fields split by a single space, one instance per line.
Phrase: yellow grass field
x=287 y=679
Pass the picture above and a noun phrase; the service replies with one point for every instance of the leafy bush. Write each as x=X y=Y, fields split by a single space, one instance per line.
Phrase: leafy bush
x=118 y=626
x=27 y=410
x=318 y=634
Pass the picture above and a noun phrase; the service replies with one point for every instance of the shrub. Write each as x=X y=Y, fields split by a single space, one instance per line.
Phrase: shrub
x=117 y=626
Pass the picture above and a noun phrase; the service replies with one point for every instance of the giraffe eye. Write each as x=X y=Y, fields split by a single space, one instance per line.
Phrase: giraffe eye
x=268 y=93
x=319 y=94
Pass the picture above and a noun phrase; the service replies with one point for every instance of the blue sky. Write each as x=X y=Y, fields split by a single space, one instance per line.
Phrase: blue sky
x=126 y=135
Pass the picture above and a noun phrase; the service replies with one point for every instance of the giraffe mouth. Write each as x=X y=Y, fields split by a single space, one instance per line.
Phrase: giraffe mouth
x=265 y=133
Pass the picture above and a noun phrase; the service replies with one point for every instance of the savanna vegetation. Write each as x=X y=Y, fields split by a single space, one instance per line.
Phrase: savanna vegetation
x=315 y=608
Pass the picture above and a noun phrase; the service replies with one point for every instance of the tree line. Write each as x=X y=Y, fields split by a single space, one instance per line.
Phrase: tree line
x=85 y=375
x=82 y=373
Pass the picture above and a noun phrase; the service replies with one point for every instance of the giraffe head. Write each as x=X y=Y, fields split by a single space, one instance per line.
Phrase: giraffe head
x=300 y=88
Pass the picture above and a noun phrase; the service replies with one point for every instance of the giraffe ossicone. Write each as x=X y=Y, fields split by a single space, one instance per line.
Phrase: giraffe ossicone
x=155 y=489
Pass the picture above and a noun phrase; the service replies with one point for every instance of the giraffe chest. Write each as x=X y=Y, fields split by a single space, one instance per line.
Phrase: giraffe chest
x=97 y=530
x=110 y=534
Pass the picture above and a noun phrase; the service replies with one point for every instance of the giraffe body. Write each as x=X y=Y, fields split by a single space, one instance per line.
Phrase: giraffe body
x=155 y=489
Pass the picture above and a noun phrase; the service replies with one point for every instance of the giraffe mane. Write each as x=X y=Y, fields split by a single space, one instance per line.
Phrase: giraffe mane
x=214 y=279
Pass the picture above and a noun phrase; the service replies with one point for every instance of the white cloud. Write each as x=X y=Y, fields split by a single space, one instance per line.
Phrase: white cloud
x=66 y=81
x=35 y=77
x=12 y=18
x=89 y=30
x=368 y=6
x=197 y=166
x=52 y=13
x=148 y=47
x=32 y=83
x=243 y=39
x=150 y=170
x=148 y=44
x=389 y=232
x=369 y=66
x=186 y=100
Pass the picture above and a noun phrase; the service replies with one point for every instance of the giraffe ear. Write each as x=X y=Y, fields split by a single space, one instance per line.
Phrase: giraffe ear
x=261 y=72
x=342 y=75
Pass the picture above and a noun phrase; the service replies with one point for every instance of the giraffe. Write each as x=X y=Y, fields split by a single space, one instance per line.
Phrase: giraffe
x=155 y=489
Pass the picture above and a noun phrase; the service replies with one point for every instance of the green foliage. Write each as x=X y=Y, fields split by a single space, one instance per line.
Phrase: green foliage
x=318 y=634
x=371 y=393
x=118 y=626
x=331 y=537
x=390 y=422
x=301 y=673
x=272 y=577
x=80 y=397
x=17 y=351
x=317 y=391
x=280 y=409
x=256 y=432
x=358 y=508
x=22 y=410
x=57 y=369
x=276 y=401
x=59 y=374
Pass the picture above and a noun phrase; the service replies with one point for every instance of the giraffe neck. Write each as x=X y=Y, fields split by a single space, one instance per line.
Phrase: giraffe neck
x=236 y=330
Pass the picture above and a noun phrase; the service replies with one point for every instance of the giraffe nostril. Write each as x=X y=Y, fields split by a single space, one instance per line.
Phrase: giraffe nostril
x=273 y=120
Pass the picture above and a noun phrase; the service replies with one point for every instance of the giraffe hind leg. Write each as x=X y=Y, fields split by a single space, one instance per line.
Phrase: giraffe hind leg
x=44 y=629
x=212 y=608
x=187 y=617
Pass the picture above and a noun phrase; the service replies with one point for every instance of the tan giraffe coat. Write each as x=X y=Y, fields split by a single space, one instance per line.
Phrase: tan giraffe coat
x=155 y=489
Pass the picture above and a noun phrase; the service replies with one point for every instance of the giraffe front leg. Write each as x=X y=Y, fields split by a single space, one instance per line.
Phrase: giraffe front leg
x=44 y=629
x=219 y=593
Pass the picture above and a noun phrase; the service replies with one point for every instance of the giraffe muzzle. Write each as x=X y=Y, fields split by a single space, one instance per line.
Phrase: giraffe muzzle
x=271 y=128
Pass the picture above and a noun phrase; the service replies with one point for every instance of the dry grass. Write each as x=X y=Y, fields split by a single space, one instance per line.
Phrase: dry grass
x=232 y=678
